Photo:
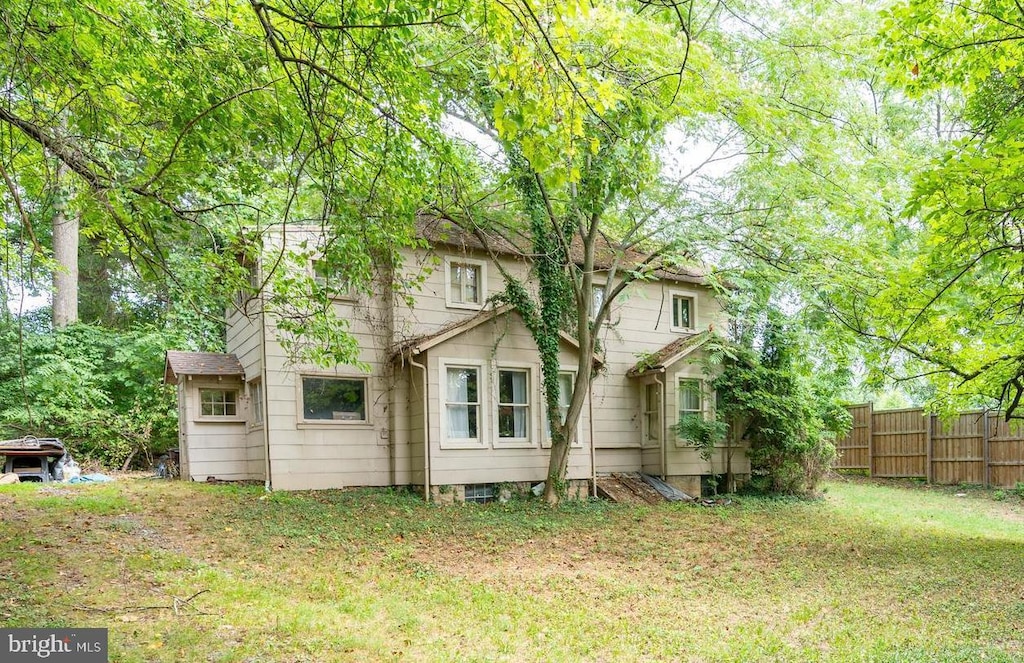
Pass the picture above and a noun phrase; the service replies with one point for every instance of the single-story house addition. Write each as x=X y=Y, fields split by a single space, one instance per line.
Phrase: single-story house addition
x=452 y=403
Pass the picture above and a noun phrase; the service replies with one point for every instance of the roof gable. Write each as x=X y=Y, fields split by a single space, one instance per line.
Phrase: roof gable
x=415 y=346
x=668 y=355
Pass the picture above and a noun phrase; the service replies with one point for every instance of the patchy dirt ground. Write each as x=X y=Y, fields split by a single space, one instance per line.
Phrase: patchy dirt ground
x=187 y=572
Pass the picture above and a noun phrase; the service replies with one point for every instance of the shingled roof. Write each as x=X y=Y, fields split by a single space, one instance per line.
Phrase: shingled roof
x=668 y=355
x=201 y=363
x=511 y=242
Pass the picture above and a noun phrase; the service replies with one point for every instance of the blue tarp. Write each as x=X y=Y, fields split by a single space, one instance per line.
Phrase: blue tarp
x=92 y=478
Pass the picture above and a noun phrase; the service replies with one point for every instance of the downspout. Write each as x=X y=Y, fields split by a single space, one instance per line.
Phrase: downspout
x=593 y=452
x=664 y=432
x=426 y=429
x=267 y=484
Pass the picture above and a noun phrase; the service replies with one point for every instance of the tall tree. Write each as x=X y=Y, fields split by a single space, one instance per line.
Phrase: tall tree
x=579 y=98
x=950 y=303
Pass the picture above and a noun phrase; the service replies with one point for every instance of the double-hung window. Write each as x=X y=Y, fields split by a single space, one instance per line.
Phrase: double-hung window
x=513 y=404
x=597 y=295
x=462 y=403
x=566 y=382
x=652 y=413
x=256 y=402
x=465 y=283
x=684 y=312
x=690 y=398
x=331 y=280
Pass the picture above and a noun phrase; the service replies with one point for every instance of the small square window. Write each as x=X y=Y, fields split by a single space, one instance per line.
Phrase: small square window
x=480 y=493
x=465 y=282
x=218 y=402
x=683 y=312
x=333 y=399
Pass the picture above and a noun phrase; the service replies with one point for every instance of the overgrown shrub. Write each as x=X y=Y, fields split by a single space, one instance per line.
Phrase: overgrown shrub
x=775 y=402
x=97 y=389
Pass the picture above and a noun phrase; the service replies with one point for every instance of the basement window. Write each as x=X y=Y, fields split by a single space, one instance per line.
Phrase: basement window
x=480 y=493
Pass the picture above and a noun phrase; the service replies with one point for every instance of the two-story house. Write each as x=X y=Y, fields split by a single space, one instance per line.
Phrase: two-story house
x=452 y=401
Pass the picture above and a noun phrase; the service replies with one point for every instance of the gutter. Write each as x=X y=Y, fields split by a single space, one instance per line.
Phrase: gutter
x=593 y=452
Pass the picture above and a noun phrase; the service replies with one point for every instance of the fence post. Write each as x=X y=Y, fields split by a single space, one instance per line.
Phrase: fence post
x=928 y=444
x=984 y=450
x=871 y=439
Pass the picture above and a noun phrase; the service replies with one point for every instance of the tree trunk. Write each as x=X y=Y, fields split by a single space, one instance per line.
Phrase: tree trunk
x=65 y=274
x=95 y=293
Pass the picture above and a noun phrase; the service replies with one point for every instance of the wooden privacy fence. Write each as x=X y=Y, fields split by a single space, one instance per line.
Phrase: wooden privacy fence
x=973 y=447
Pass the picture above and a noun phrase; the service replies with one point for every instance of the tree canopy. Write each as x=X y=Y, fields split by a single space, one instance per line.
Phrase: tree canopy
x=858 y=163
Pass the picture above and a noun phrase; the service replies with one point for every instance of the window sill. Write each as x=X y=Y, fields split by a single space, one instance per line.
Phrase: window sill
x=329 y=423
x=512 y=443
x=464 y=305
x=683 y=330
x=457 y=445
x=219 y=420
x=546 y=444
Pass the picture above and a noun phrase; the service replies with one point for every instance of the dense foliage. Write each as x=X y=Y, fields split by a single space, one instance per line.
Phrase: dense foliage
x=97 y=389
x=867 y=166
x=772 y=398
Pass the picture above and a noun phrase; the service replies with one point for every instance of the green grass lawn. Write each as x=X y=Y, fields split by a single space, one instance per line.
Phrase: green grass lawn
x=187 y=572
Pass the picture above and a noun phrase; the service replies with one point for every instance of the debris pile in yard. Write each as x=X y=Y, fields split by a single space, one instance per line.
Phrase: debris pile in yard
x=636 y=488
x=42 y=459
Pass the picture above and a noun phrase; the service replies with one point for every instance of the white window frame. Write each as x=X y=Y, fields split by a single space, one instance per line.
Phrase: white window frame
x=532 y=396
x=322 y=282
x=300 y=406
x=682 y=294
x=237 y=416
x=256 y=403
x=647 y=440
x=595 y=299
x=703 y=411
x=577 y=442
x=451 y=261
x=483 y=408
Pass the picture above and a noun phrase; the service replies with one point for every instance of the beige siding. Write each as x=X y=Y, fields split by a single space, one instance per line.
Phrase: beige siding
x=617 y=460
x=430 y=310
x=640 y=323
x=214 y=449
x=329 y=454
x=502 y=342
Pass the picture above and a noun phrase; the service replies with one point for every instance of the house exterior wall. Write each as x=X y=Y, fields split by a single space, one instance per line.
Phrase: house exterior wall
x=431 y=310
x=245 y=337
x=307 y=454
x=640 y=322
x=503 y=342
x=388 y=447
x=215 y=447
